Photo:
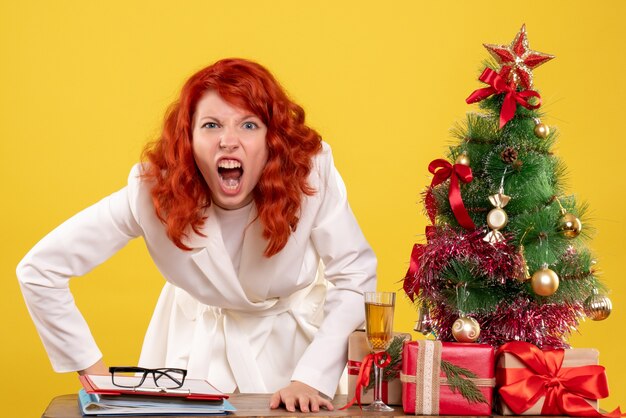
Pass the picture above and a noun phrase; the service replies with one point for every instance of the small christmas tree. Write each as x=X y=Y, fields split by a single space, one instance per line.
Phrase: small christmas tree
x=506 y=256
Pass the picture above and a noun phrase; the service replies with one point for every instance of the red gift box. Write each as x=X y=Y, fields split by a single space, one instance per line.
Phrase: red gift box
x=427 y=390
x=532 y=381
x=391 y=391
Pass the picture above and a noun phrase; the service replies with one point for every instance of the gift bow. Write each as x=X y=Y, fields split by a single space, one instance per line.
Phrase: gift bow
x=497 y=84
x=353 y=370
x=442 y=170
x=380 y=360
x=564 y=388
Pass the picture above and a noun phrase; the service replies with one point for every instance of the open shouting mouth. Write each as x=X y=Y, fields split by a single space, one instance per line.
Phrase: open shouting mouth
x=230 y=172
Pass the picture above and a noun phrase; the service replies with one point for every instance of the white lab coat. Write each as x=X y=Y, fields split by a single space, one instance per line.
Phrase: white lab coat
x=293 y=324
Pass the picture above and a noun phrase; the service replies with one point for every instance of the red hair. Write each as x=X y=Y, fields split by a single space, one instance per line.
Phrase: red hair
x=180 y=193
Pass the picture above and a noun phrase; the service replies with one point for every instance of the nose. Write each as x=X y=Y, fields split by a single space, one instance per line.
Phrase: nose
x=229 y=141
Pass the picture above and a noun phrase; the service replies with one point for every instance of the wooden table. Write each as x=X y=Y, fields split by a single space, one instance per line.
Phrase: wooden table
x=248 y=405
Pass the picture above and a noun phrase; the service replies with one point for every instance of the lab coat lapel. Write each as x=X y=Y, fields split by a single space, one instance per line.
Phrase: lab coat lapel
x=213 y=260
x=255 y=269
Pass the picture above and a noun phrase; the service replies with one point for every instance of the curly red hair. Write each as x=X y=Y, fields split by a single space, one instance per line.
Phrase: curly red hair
x=180 y=193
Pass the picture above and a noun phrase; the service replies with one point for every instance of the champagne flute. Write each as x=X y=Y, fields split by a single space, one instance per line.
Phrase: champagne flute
x=379 y=308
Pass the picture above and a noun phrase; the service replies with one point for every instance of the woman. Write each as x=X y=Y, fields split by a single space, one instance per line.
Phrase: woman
x=246 y=217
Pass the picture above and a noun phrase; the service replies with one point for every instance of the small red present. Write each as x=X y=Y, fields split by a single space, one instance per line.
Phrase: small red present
x=357 y=350
x=532 y=381
x=447 y=378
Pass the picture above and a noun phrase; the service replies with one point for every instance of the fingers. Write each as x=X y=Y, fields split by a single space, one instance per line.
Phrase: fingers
x=282 y=396
x=305 y=403
x=297 y=396
x=302 y=402
x=314 y=403
x=290 y=402
x=326 y=404
x=275 y=400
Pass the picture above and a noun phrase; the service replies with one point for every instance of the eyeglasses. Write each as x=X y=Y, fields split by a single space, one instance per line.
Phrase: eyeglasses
x=134 y=377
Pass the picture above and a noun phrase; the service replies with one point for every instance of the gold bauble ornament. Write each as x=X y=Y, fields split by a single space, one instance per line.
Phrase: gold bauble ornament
x=542 y=130
x=463 y=159
x=423 y=324
x=465 y=329
x=570 y=225
x=597 y=307
x=497 y=218
x=544 y=281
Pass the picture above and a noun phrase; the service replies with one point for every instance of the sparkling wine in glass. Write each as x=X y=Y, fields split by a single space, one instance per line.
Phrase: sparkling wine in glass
x=379 y=307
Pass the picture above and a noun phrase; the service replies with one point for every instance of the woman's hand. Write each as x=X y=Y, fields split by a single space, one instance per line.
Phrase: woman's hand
x=301 y=395
x=97 y=368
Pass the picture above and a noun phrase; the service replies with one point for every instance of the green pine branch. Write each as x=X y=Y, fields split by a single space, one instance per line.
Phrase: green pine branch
x=459 y=380
x=468 y=290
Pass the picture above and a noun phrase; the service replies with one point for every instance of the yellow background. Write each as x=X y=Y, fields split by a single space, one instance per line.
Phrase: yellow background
x=85 y=84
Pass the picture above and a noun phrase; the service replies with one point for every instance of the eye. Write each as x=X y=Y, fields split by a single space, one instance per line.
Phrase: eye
x=210 y=125
x=250 y=125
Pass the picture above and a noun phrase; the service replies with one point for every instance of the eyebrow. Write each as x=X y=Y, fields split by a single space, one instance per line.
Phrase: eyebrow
x=216 y=119
x=202 y=118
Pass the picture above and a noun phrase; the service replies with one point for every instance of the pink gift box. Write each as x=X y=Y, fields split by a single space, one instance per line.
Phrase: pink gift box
x=357 y=350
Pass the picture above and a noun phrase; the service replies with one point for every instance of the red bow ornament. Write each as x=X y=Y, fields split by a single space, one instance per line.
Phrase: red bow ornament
x=497 y=85
x=380 y=360
x=442 y=170
x=565 y=388
x=411 y=283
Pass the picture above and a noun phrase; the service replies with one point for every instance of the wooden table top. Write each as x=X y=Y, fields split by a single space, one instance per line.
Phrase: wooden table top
x=248 y=405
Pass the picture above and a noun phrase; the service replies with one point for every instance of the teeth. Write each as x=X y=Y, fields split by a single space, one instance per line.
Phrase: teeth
x=229 y=164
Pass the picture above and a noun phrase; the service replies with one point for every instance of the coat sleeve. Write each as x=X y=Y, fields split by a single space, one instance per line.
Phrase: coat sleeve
x=350 y=265
x=73 y=249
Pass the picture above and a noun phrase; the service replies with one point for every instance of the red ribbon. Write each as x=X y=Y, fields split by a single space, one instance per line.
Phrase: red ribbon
x=379 y=360
x=565 y=389
x=497 y=84
x=411 y=283
x=353 y=370
x=442 y=170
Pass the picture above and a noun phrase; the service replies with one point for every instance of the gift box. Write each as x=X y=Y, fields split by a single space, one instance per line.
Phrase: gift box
x=532 y=381
x=357 y=350
x=447 y=378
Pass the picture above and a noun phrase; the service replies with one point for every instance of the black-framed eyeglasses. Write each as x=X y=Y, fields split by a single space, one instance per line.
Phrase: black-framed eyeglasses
x=134 y=377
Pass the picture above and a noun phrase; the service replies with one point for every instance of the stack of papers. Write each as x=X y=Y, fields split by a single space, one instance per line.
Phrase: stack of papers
x=100 y=405
x=99 y=397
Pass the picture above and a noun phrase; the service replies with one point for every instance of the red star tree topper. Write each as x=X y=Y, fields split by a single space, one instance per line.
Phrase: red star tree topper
x=518 y=59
